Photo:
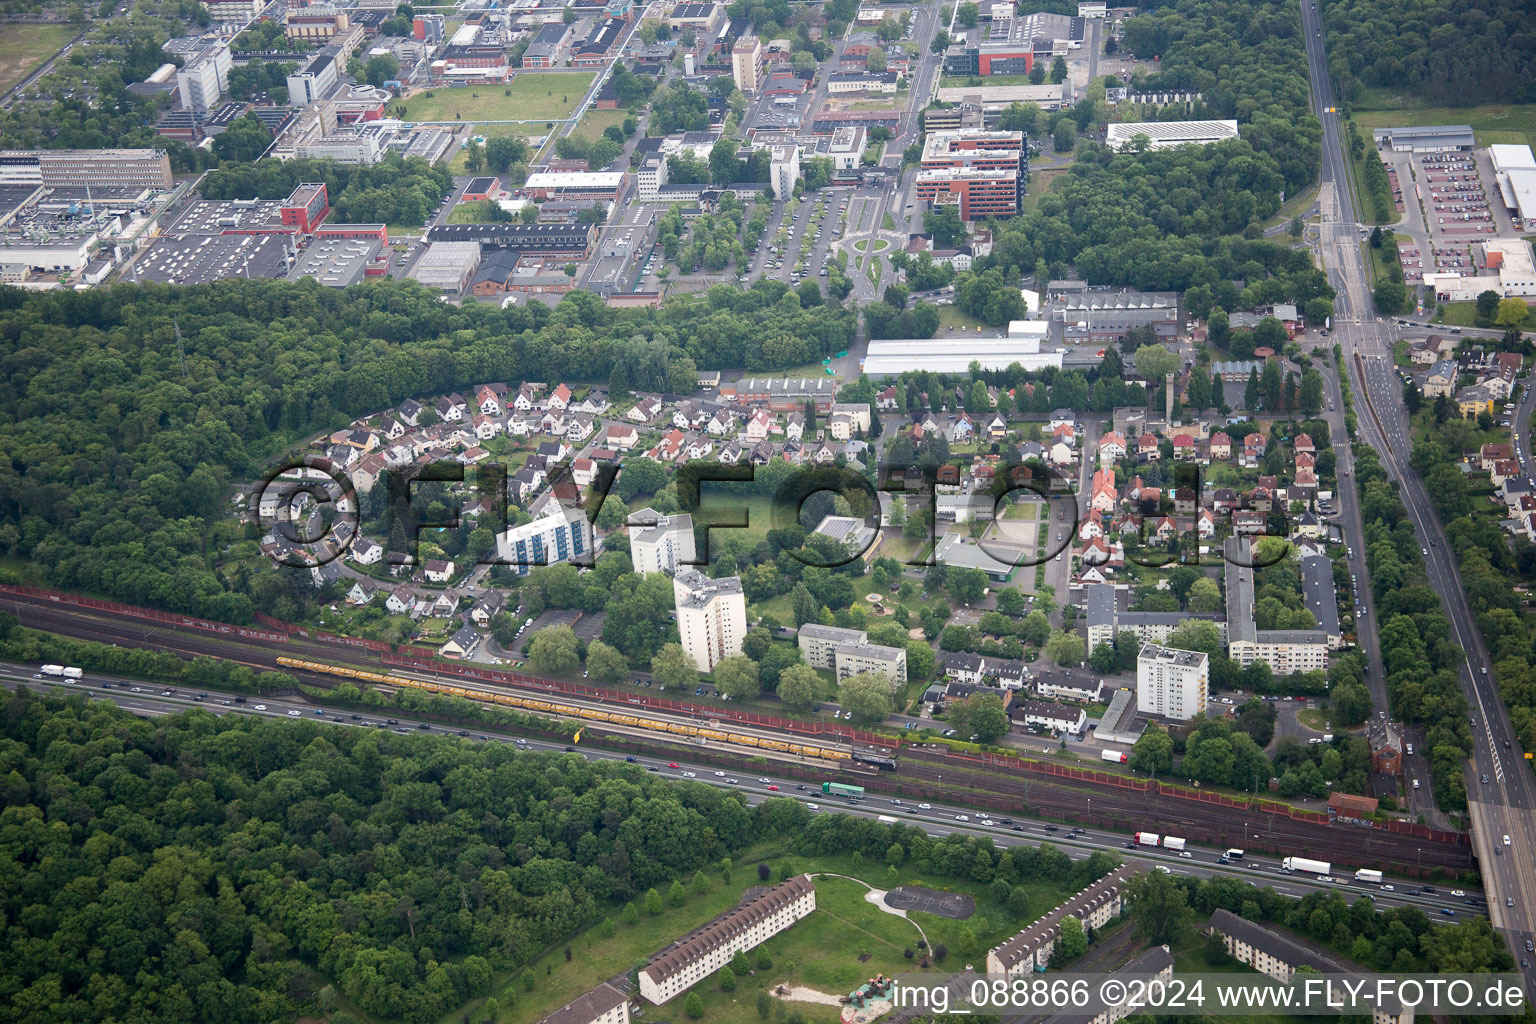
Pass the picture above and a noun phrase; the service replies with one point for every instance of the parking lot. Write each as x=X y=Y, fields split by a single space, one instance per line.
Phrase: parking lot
x=1453 y=195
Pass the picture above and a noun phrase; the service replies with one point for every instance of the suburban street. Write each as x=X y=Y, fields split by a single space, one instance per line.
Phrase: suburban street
x=1503 y=813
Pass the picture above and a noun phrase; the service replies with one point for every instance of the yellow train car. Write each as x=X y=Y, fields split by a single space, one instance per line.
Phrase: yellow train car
x=550 y=707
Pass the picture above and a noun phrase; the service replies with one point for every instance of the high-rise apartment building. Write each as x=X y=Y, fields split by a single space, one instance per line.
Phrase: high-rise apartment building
x=711 y=616
x=1172 y=683
x=659 y=543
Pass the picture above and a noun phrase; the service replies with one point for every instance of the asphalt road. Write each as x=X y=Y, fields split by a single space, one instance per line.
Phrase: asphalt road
x=1505 y=810
x=937 y=820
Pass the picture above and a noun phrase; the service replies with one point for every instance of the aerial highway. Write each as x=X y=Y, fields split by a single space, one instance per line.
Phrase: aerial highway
x=936 y=819
x=1503 y=811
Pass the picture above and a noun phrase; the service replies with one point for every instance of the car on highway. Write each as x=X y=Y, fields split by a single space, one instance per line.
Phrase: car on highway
x=1457 y=892
x=671 y=764
x=259 y=707
x=689 y=775
x=925 y=807
x=295 y=714
x=1447 y=911
x=719 y=775
x=962 y=817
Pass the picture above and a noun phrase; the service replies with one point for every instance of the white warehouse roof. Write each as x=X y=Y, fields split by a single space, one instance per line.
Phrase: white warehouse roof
x=1507 y=157
x=1166 y=134
x=574 y=179
x=888 y=357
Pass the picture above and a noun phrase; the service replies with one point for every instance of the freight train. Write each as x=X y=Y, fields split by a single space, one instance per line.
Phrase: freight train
x=546 y=706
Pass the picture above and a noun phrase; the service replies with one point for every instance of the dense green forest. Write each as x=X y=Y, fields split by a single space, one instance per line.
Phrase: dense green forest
x=1161 y=220
x=206 y=869
x=116 y=490
x=1451 y=52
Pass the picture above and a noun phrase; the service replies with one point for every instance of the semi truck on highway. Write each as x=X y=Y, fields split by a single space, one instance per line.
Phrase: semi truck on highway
x=1173 y=843
x=886 y=819
x=1317 y=867
x=1146 y=838
x=1233 y=854
x=838 y=789
x=1114 y=756
x=1367 y=875
x=66 y=672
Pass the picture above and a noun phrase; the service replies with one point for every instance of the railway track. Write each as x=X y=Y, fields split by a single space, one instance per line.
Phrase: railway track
x=916 y=772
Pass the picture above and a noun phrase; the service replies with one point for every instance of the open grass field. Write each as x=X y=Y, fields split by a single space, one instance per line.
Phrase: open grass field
x=528 y=97
x=1491 y=123
x=1039 y=185
x=834 y=950
x=24 y=47
x=1464 y=314
x=951 y=316
x=592 y=123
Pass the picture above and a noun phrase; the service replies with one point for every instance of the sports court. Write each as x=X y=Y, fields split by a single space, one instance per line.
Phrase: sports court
x=956 y=906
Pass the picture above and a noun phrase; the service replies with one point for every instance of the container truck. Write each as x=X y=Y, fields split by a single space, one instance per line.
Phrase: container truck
x=1146 y=838
x=53 y=671
x=72 y=674
x=1114 y=757
x=838 y=789
x=886 y=819
x=1173 y=843
x=1317 y=867
x=1234 y=854
x=1367 y=875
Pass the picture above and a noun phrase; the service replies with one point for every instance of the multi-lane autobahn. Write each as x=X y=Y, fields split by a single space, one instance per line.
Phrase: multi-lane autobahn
x=937 y=819
x=1503 y=811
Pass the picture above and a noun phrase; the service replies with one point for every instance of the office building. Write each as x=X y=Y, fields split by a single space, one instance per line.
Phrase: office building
x=82 y=168
x=203 y=80
x=1168 y=134
x=1172 y=683
x=315 y=23
x=702 y=953
x=556 y=534
x=306 y=207
x=847 y=148
x=574 y=185
x=313 y=80
x=853 y=658
x=711 y=616
x=659 y=543
x=819 y=644
x=533 y=242
x=980 y=172
x=1451 y=138
x=1012 y=46
x=233 y=12
x=360 y=149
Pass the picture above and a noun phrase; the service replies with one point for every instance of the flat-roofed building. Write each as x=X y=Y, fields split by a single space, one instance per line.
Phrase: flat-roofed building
x=313 y=80
x=1285 y=651
x=202 y=81
x=659 y=543
x=890 y=357
x=315 y=23
x=1448 y=138
x=819 y=644
x=854 y=658
x=1172 y=683
x=704 y=951
x=203 y=259
x=1168 y=134
x=447 y=266
x=81 y=168
x=711 y=616
x=747 y=64
x=556 y=534
x=339 y=262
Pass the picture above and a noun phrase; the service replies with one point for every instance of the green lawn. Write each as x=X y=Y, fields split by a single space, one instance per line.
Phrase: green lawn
x=951 y=316
x=591 y=126
x=1039 y=185
x=721 y=508
x=472 y=213
x=24 y=47
x=862 y=245
x=528 y=97
x=822 y=952
x=1464 y=314
x=1491 y=123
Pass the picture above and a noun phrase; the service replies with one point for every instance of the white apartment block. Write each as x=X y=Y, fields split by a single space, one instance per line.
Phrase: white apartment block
x=710 y=948
x=203 y=80
x=891 y=662
x=1095 y=907
x=747 y=64
x=819 y=644
x=784 y=170
x=711 y=616
x=1172 y=683
x=601 y=1005
x=659 y=543
x=557 y=535
x=1285 y=651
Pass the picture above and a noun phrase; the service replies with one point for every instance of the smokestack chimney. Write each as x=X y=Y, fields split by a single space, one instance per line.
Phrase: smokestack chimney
x=1168 y=399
